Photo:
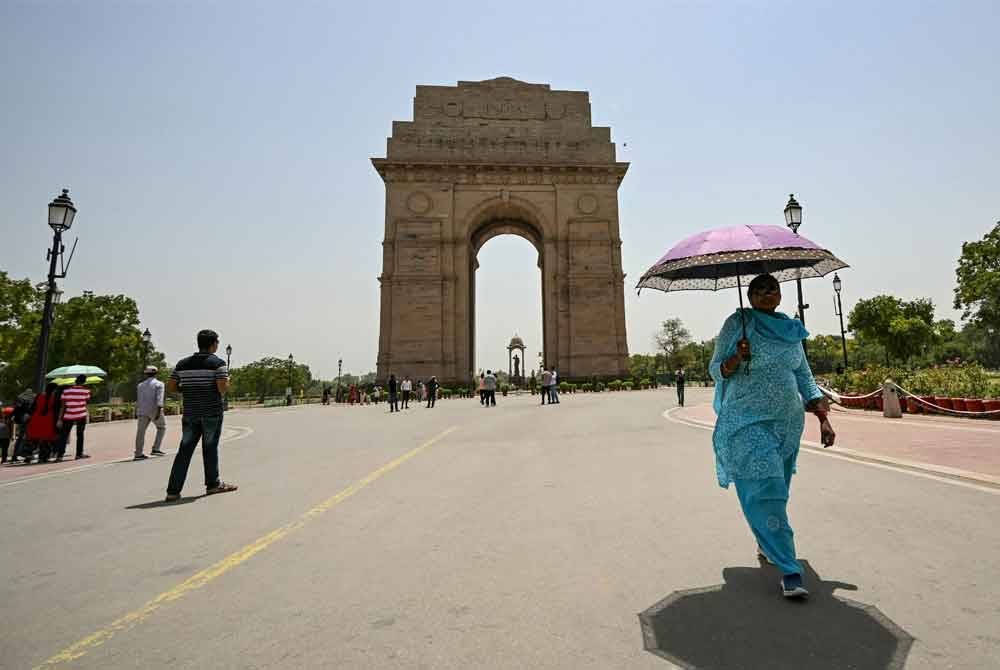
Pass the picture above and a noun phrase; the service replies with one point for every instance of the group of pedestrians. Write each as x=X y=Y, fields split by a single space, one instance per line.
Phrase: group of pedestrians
x=43 y=423
x=403 y=390
x=487 y=389
x=550 y=386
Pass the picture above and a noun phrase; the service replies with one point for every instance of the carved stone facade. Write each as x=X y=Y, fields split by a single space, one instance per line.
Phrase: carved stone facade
x=489 y=158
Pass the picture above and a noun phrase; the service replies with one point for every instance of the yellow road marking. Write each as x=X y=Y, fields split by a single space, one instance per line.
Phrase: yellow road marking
x=207 y=575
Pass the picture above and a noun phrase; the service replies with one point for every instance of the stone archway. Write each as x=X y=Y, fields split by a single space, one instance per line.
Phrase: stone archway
x=489 y=158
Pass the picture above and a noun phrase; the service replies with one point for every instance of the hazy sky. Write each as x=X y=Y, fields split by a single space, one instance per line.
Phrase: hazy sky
x=219 y=152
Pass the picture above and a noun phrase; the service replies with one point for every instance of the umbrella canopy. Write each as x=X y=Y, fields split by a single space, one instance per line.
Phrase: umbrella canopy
x=730 y=257
x=69 y=381
x=74 y=370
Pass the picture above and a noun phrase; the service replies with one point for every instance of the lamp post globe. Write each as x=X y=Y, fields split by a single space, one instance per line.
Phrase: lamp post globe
x=837 y=284
x=229 y=353
x=793 y=214
x=793 y=219
x=61 y=212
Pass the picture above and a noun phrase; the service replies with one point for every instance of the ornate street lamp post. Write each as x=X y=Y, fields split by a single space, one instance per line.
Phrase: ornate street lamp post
x=340 y=368
x=288 y=396
x=837 y=285
x=61 y=215
x=229 y=356
x=793 y=219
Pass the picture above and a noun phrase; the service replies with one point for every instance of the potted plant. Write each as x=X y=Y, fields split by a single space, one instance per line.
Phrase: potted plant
x=943 y=402
x=974 y=405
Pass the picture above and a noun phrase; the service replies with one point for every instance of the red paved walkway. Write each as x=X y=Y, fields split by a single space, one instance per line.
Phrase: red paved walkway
x=941 y=443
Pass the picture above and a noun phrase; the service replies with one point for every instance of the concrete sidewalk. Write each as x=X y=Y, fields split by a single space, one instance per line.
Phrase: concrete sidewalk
x=107 y=444
x=949 y=447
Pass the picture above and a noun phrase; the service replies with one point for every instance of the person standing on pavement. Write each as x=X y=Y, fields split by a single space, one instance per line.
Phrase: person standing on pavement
x=482 y=388
x=407 y=389
x=760 y=420
x=6 y=430
x=202 y=378
x=43 y=428
x=393 y=398
x=491 y=389
x=74 y=413
x=20 y=416
x=680 y=379
x=554 y=388
x=149 y=396
x=432 y=389
x=546 y=386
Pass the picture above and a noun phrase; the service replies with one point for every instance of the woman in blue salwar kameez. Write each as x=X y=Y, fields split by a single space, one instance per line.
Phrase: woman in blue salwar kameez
x=760 y=419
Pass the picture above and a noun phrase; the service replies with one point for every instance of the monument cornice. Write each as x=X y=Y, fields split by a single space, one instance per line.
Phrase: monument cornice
x=472 y=172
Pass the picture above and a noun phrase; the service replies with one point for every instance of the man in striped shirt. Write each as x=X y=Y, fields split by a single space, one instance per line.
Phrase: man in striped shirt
x=74 y=413
x=203 y=379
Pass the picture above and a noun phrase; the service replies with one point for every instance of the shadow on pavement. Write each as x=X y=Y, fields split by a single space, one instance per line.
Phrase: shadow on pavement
x=745 y=623
x=163 y=503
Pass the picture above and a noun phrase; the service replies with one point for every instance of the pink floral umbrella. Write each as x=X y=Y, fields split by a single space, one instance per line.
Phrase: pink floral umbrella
x=730 y=257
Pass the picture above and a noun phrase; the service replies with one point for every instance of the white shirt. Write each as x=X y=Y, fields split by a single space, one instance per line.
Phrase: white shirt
x=149 y=397
x=407 y=385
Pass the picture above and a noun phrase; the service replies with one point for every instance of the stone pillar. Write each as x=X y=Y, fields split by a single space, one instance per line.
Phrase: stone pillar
x=890 y=401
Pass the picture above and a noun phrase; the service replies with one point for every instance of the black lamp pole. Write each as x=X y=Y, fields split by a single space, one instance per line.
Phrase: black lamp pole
x=229 y=354
x=340 y=367
x=147 y=339
x=837 y=285
x=793 y=219
x=291 y=362
x=61 y=215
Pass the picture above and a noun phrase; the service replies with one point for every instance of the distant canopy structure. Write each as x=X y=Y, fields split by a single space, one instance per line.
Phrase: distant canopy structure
x=514 y=364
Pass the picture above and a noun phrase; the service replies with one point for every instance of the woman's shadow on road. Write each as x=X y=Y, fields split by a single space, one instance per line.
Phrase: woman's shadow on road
x=745 y=623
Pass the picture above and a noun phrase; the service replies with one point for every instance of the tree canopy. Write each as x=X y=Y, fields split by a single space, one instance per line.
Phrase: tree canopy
x=101 y=330
x=977 y=292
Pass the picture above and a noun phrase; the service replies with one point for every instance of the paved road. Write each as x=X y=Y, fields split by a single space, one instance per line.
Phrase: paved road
x=514 y=537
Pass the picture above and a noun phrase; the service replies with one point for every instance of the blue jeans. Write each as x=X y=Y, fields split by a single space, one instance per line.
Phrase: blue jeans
x=208 y=429
x=765 y=503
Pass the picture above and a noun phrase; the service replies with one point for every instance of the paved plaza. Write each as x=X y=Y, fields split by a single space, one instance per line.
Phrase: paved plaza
x=514 y=537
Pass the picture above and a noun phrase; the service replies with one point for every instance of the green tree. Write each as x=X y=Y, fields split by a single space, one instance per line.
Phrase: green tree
x=903 y=329
x=89 y=329
x=269 y=376
x=671 y=340
x=977 y=292
x=20 y=319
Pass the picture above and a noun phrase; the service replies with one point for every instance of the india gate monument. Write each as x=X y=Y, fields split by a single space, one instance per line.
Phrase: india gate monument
x=488 y=158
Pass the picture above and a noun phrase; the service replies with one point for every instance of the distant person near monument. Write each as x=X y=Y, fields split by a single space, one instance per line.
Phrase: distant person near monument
x=546 y=386
x=407 y=388
x=491 y=389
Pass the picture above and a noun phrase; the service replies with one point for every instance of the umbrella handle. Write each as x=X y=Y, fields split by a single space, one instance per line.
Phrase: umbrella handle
x=743 y=320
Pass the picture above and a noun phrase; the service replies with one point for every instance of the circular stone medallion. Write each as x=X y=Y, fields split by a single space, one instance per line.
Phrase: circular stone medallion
x=587 y=204
x=419 y=202
x=453 y=108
